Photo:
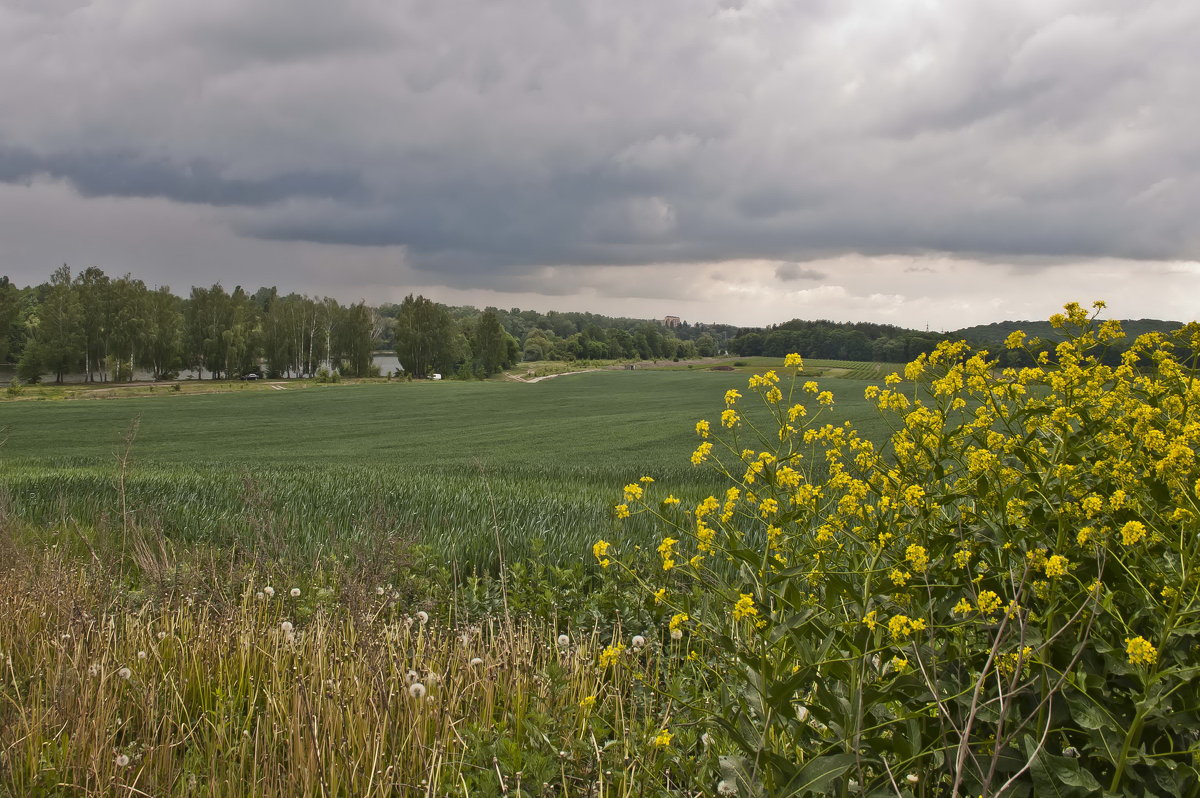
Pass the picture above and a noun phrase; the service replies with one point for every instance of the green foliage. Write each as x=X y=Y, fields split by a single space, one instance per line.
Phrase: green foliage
x=1003 y=600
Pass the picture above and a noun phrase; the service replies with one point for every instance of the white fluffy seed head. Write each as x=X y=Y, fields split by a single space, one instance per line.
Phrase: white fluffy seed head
x=412 y=676
x=423 y=616
x=260 y=595
x=124 y=673
x=476 y=662
x=269 y=591
x=676 y=634
x=564 y=641
x=638 y=641
x=286 y=626
x=295 y=592
x=379 y=591
x=727 y=787
x=122 y=760
x=142 y=655
x=416 y=690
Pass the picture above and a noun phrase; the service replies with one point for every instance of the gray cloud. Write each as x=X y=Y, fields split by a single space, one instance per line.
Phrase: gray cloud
x=487 y=140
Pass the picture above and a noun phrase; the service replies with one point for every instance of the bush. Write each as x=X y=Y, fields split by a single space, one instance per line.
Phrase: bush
x=1002 y=600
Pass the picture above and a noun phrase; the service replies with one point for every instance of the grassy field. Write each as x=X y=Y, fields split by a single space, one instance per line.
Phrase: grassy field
x=315 y=468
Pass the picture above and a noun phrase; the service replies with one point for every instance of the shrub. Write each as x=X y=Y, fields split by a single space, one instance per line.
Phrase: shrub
x=1001 y=600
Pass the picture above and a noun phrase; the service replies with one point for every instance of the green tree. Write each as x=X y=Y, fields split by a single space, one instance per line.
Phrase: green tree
x=426 y=337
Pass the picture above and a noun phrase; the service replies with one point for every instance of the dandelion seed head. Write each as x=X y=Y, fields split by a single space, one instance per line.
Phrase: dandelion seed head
x=423 y=616
x=638 y=641
x=161 y=635
x=476 y=662
x=125 y=673
x=379 y=591
x=260 y=595
x=269 y=591
x=295 y=592
x=416 y=690
x=727 y=787
x=412 y=676
x=122 y=760
x=564 y=641
x=286 y=626
x=676 y=634
x=142 y=655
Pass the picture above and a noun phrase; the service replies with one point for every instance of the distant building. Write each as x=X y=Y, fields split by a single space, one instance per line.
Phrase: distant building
x=670 y=321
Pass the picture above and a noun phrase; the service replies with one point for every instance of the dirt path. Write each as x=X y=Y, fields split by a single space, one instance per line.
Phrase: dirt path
x=548 y=376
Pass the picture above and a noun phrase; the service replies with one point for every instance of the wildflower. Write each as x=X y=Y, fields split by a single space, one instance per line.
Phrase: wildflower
x=962 y=558
x=646 y=480
x=633 y=492
x=744 y=607
x=161 y=635
x=662 y=739
x=901 y=626
x=269 y=591
x=898 y=664
x=122 y=760
x=476 y=662
x=703 y=428
x=260 y=595
x=564 y=641
x=621 y=510
x=1132 y=532
x=670 y=500
x=379 y=591
x=638 y=641
x=963 y=607
x=587 y=702
x=900 y=578
x=727 y=787
x=423 y=617
x=918 y=557
x=677 y=621
x=286 y=626
x=599 y=551
x=729 y=417
x=667 y=550
x=989 y=602
x=702 y=452
x=125 y=673
x=825 y=398
x=731 y=396
x=1057 y=566
x=412 y=676
x=1140 y=651
x=774 y=396
x=295 y=592
x=611 y=654
x=659 y=595
x=141 y=655
x=417 y=690
x=676 y=634
x=869 y=620
x=793 y=360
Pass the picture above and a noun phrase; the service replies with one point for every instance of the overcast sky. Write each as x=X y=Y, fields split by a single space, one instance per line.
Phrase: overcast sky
x=915 y=162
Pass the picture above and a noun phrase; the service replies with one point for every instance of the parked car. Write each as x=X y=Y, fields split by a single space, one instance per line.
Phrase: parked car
x=251 y=376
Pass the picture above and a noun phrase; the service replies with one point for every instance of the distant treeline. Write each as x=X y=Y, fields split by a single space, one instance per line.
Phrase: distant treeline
x=836 y=341
x=109 y=328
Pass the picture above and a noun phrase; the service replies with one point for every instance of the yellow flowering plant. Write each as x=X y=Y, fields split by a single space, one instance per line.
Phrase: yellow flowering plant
x=1001 y=598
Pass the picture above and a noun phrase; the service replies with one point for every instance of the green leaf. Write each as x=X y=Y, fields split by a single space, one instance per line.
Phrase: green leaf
x=818 y=774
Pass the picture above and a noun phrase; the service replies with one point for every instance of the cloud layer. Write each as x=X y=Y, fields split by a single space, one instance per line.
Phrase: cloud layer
x=480 y=144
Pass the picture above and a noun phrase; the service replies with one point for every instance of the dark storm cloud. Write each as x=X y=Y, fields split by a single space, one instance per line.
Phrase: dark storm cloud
x=129 y=174
x=491 y=138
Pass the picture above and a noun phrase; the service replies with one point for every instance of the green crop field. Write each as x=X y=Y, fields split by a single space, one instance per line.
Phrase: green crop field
x=324 y=466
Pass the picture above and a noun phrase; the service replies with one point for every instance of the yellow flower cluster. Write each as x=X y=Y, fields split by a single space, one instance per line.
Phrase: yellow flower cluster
x=1140 y=651
x=662 y=739
x=611 y=654
x=667 y=550
x=1133 y=532
x=901 y=626
x=744 y=607
x=600 y=552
